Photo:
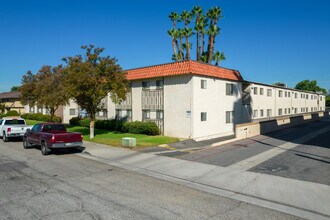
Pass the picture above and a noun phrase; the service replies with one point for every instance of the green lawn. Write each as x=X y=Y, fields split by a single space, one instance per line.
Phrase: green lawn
x=32 y=122
x=114 y=138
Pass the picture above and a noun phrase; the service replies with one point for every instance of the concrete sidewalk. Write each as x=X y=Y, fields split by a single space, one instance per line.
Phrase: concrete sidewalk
x=300 y=198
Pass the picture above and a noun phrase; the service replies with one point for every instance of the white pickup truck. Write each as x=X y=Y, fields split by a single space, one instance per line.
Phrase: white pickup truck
x=12 y=127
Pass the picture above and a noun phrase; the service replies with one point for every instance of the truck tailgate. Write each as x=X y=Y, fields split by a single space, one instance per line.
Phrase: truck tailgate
x=67 y=137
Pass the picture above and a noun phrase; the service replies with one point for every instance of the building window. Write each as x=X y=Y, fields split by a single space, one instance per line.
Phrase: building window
x=128 y=113
x=285 y=111
x=261 y=113
x=280 y=93
x=289 y=111
x=255 y=113
x=320 y=98
x=159 y=114
x=296 y=95
x=269 y=92
x=295 y=110
x=203 y=116
x=269 y=113
x=119 y=113
x=306 y=96
x=146 y=85
x=311 y=96
x=159 y=84
x=280 y=111
x=261 y=91
x=146 y=114
x=229 y=117
x=255 y=90
x=229 y=89
x=72 y=111
x=32 y=109
x=286 y=94
x=203 y=84
x=39 y=109
x=289 y=94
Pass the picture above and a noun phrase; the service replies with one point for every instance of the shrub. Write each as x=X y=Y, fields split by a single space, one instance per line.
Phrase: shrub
x=40 y=117
x=12 y=113
x=2 y=115
x=74 y=121
x=84 y=122
x=138 y=127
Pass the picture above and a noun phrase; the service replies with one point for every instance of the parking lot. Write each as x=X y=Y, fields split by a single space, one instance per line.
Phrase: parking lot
x=301 y=152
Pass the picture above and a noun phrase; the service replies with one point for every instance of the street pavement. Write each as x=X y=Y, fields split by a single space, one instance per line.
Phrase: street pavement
x=68 y=186
x=259 y=178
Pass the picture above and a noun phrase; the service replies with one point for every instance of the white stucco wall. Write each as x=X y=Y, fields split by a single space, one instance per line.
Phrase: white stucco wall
x=214 y=101
x=178 y=91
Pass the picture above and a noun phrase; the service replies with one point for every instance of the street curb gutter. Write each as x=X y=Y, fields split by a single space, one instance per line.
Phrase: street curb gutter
x=307 y=214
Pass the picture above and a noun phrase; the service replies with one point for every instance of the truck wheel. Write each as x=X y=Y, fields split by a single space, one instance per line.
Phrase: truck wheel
x=4 y=137
x=26 y=144
x=44 y=149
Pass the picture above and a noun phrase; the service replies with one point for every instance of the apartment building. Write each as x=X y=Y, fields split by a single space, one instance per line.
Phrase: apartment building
x=190 y=99
x=11 y=100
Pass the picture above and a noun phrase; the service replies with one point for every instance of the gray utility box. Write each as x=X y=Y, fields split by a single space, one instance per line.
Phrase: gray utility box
x=128 y=142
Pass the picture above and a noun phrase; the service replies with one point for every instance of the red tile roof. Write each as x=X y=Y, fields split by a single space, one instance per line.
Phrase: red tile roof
x=181 y=68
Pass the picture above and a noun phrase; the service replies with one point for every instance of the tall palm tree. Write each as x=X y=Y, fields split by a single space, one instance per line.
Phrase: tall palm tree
x=218 y=56
x=197 y=11
x=212 y=32
x=186 y=17
x=214 y=14
x=174 y=18
x=174 y=34
x=180 y=47
x=187 y=32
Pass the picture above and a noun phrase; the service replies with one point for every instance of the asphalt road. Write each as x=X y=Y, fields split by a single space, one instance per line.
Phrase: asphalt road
x=66 y=186
x=309 y=161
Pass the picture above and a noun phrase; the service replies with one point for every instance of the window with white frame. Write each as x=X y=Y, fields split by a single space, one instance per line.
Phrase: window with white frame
x=229 y=89
x=261 y=113
x=203 y=84
x=296 y=95
x=280 y=93
x=203 y=116
x=269 y=113
x=129 y=113
x=145 y=85
x=269 y=92
x=255 y=90
x=72 y=111
x=285 y=93
x=306 y=96
x=280 y=111
x=289 y=110
x=145 y=114
x=159 y=114
x=255 y=113
x=261 y=91
x=159 y=84
x=285 y=111
x=295 y=110
x=289 y=94
x=119 y=113
x=229 y=117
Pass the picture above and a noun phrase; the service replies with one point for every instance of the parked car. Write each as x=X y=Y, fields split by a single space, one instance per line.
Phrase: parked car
x=12 y=127
x=52 y=136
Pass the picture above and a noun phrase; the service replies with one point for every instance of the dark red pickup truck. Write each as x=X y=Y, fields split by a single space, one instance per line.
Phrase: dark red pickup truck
x=51 y=136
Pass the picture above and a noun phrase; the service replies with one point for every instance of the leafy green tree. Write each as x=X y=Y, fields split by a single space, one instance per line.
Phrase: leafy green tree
x=28 y=93
x=45 y=88
x=280 y=84
x=310 y=85
x=14 y=88
x=91 y=77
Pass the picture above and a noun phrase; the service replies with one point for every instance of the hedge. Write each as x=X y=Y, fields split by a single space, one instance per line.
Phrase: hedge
x=40 y=117
x=136 y=127
x=12 y=113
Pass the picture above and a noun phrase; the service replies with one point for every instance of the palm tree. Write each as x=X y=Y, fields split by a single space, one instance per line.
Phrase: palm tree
x=180 y=36
x=214 y=14
x=197 y=11
x=212 y=32
x=187 y=32
x=218 y=56
x=174 y=34
x=186 y=17
x=174 y=18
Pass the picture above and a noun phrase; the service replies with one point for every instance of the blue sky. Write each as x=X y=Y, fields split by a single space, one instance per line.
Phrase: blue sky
x=267 y=41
